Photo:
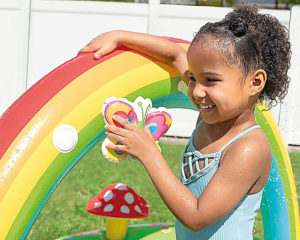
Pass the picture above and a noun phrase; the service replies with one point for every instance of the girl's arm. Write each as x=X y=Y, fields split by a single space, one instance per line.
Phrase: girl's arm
x=154 y=46
x=243 y=165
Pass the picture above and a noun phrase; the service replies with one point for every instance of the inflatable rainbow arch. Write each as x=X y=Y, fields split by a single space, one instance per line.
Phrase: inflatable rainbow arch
x=31 y=167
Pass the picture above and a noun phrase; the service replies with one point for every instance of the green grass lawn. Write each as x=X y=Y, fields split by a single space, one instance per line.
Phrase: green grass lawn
x=65 y=214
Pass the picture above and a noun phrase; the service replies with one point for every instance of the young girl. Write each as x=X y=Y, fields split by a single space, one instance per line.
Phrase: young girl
x=230 y=66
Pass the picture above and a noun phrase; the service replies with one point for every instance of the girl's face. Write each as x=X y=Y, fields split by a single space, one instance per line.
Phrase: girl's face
x=215 y=88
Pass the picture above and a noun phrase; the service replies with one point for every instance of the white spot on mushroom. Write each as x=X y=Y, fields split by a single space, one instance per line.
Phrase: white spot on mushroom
x=125 y=209
x=97 y=204
x=108 y=208
x=137 y=208
x=108 y=196
x=129 y=198
x=120 y=186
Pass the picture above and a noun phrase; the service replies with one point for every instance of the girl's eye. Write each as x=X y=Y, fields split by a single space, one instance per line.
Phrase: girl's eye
x=192 y=78
x=211 y=80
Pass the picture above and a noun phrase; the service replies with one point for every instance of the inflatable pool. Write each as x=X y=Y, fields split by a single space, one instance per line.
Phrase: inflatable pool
x=31 y=166
x=134 y=232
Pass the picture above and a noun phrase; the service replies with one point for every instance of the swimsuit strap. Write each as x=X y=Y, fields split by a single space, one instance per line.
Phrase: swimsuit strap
x=238 y=136
x=193 y=156
x=224 y=147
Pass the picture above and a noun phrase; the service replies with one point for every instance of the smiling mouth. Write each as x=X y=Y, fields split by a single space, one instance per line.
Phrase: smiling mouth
x=206 y=108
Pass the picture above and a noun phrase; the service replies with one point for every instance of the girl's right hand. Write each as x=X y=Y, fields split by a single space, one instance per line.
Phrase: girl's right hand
x=102 y=45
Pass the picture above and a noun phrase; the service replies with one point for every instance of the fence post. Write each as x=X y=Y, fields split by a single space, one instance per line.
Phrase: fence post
x=290 y=108
x=153 y=15
x=25 y=11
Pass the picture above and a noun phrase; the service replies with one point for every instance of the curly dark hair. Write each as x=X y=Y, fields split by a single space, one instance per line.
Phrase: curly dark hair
x=254 y=41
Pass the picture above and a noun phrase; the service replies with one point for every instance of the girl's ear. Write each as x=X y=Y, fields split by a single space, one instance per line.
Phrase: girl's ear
x=258 y=81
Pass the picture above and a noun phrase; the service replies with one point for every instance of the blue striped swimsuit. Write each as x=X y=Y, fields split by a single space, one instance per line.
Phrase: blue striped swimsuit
x=237 y=224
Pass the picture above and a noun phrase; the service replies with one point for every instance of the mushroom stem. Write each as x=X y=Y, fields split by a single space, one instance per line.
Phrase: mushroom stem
x=116 y=228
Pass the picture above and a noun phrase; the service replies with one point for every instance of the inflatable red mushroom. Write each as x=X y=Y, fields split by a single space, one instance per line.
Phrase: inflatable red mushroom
x=118 y=202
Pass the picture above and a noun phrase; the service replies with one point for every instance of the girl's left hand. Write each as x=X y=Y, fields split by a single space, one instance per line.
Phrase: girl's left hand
x=133 y=140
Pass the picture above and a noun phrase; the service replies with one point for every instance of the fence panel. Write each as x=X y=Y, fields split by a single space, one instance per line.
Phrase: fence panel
x=58 y=29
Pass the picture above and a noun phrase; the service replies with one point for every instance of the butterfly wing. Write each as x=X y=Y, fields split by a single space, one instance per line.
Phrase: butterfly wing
x=112 y=155
x=121 y=107
x=159 y=121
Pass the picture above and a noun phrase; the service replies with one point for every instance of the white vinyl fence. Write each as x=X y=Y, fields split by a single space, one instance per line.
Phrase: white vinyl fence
x=39 y=35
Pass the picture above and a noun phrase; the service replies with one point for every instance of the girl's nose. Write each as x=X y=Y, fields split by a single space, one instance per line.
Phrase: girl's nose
x=199 y=91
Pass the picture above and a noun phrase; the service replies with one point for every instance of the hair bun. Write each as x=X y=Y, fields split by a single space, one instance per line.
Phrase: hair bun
x=238 y=27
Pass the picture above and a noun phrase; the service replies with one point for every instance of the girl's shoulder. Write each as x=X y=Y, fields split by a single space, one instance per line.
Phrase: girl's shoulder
x=255 y=140
x=250 y=154
x=255 y=144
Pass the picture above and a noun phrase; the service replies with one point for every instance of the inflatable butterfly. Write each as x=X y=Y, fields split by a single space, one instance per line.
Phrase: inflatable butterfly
x=140 y=113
